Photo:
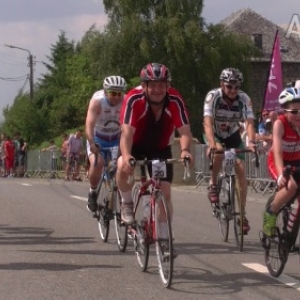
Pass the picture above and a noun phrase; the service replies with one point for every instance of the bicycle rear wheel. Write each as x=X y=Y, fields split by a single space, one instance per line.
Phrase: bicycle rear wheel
x=238 y=213
x=141 y=241
x=276 y=249
x=120 y=226
x=223 y=217
x=103 y=217
x=164 y=240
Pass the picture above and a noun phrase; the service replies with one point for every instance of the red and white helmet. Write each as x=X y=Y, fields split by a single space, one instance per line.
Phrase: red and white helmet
x=155 y=71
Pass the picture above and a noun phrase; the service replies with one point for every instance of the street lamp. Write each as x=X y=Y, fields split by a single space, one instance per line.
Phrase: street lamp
x=30 y=68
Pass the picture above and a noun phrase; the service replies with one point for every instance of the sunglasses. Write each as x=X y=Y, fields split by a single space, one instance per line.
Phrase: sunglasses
x=293 y=111
x=230 y=87
x=113 y=93
x=265 y=115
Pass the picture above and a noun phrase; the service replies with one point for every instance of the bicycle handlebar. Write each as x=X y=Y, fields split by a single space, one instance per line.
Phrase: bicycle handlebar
x=237 y=151
x=185 y=160
x=288 y=170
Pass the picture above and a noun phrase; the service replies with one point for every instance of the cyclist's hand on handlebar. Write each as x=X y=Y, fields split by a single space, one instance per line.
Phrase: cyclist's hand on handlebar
x=281 y=181
x=210 y=148
x=187 y=154
x=252 y=147
x=94 y=148
x=126 y=166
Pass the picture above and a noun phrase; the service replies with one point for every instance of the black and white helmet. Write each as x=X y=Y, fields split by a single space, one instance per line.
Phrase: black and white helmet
x=115 y=83
x=288 y=95
x=232 y=75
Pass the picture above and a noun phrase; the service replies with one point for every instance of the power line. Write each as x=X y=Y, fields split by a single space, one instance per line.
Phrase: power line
x=14 y=78
x=22 y=89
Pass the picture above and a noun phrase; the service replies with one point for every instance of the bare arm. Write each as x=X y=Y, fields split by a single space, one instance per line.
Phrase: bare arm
x=250 y=129
x=278 y=131
x=126 y=140
x=209 y=131
x=94 y=111
x=185 y=137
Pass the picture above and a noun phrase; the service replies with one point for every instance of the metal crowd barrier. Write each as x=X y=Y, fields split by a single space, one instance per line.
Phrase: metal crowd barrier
x=49 y=164
x=46 y=164
x=258 y=178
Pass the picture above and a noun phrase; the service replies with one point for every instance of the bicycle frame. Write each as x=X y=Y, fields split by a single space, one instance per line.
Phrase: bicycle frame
x=154 y=183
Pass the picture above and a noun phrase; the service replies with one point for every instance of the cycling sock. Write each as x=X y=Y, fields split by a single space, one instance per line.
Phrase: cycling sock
x=126 y=197
x=93 y=189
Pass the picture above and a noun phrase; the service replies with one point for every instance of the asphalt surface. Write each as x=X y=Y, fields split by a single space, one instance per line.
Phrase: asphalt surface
x=50 y=249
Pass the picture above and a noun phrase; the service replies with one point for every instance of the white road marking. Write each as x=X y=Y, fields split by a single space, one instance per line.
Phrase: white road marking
x=285 y=279
x=79 y=198
x=26 y=184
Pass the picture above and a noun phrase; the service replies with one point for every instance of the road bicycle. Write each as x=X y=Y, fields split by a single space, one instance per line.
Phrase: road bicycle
x=230 y=206
x=155 y=227
x=109 y=200
x=278 y=246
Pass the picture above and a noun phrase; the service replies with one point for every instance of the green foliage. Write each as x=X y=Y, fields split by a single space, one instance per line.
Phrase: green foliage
x=138 y=32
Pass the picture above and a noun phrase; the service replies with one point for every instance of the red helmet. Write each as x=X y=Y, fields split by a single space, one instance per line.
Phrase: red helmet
x=155 y=71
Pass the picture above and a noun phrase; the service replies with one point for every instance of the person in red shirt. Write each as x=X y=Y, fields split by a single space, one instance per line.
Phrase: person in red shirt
x=285 y=150
x=10 y=155
x=148 y=118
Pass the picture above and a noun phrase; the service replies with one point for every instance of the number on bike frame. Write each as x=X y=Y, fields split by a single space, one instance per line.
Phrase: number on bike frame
x=159 y=169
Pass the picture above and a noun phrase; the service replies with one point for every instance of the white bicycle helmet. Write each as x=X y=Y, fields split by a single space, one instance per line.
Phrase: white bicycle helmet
x=114 y=83
x=232 y=74
x=291 y=94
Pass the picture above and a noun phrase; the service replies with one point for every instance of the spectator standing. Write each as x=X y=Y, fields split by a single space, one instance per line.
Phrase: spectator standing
x=22 y=152
x=75 y=148
x=9 y=156
x=64 y=151
x=2 y=155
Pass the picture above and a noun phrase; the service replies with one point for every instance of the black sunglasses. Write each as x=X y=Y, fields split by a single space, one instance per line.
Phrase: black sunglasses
x=265 y=115
x=293 y=111
x=230 y=87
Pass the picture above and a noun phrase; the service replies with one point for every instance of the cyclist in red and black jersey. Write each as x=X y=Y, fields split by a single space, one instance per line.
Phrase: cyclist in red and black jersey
x=285 y=151
x=149 y=116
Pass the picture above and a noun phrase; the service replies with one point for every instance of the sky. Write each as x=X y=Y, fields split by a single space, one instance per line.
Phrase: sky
x=35 y=25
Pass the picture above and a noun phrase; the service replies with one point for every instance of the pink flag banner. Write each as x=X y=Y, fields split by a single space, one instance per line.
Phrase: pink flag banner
x=274 y=83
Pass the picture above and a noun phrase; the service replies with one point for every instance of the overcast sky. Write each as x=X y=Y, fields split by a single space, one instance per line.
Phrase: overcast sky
x=36 y=24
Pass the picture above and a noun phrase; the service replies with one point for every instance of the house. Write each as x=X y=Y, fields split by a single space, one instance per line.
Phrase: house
x=262 y=32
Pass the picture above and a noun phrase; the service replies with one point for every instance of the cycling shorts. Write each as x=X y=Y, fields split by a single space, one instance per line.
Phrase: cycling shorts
x=106 y=154
x=165 y=153
x=233 y=141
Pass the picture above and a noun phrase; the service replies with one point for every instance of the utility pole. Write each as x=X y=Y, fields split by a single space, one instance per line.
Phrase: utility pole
x=31 y=76
x=30 y=58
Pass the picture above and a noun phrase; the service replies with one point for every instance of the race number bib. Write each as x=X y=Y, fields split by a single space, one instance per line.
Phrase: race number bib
x=114 y=154
x=229 y=160
x=159 y=169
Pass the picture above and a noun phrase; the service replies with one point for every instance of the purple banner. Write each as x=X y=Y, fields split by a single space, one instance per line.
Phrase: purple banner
x=274 y=84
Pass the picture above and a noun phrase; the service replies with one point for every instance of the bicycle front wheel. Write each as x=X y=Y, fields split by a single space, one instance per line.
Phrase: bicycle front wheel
x=103 y=211
x=141 y=240
x=223 y=216
x=120 y=226
x=276 y=248
x=238 y=213
x=164 y=240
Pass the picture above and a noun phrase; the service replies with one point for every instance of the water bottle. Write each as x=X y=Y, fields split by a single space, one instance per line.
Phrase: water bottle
x=146 y=206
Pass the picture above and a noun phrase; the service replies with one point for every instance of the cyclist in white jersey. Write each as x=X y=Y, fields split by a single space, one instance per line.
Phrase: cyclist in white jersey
x=103 y=129
x=224 y=108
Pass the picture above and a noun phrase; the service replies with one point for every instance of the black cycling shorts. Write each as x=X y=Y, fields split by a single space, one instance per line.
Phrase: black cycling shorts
x=165 y=153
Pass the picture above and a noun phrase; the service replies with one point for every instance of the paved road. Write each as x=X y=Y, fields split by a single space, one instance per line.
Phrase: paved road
x=50 y=249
